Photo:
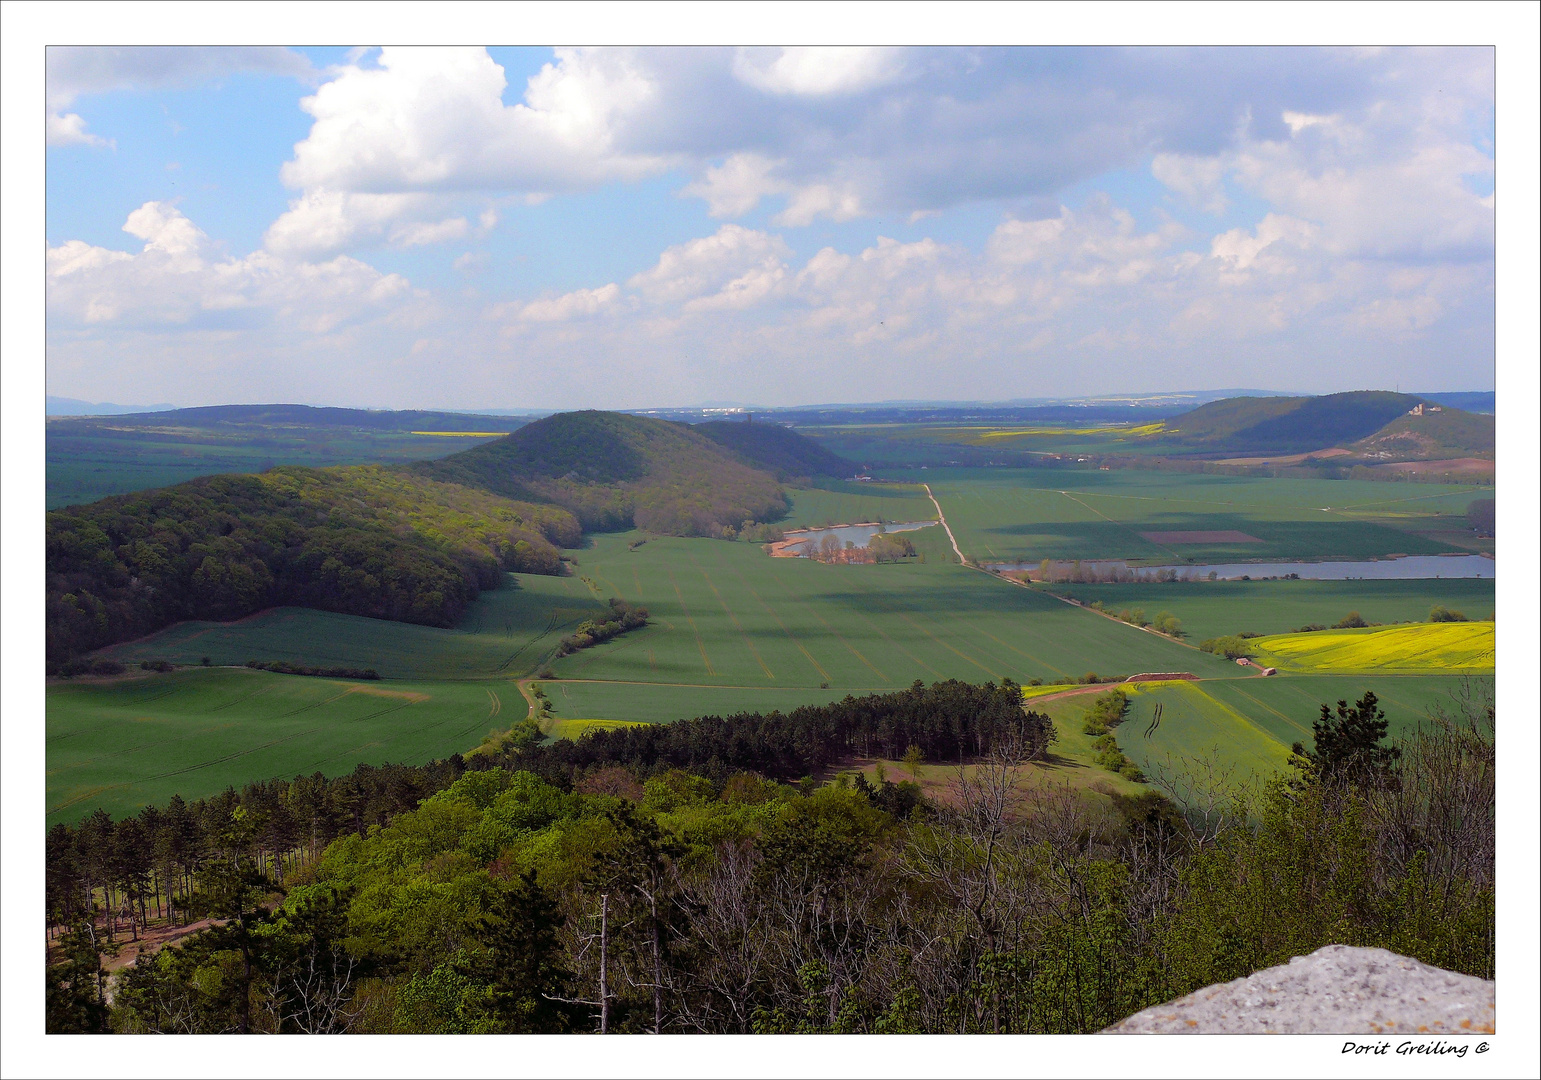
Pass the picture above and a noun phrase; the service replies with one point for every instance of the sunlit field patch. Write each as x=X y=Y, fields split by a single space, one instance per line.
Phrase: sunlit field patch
x=573 y=729
x=1424 y=647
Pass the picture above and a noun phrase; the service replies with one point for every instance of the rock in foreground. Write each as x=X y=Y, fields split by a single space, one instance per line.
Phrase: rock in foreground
x=1337 y=990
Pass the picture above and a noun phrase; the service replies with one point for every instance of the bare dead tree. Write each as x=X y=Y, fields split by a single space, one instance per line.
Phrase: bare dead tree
x=1209 y=793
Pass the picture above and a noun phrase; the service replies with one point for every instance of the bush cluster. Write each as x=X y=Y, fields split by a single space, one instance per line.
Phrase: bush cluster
x=590 y=632
x=1231 y=646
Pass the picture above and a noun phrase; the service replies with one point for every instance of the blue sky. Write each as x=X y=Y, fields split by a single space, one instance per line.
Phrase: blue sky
x=529 y=228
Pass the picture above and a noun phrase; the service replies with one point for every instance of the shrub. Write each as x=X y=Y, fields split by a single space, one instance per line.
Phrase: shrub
x=1231 y=647
x=624 y=617
x=1352 y=621
x=84 y=665
x=1107 y=712
x=1440 y=613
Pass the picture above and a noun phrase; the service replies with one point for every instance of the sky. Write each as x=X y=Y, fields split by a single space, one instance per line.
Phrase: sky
x=540 y=228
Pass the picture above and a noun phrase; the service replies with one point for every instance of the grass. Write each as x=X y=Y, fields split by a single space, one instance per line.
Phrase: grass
x=1435 y=648
x=661 y=703
x=1246 y=725
x=845 y=503
x=1214 y=608
x=574 y=729
x=1034 y=514
x=122 y=743
x=505 y=633
x=725 y=615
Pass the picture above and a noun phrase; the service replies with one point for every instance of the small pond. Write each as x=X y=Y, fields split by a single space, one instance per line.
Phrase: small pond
x=1410 y=566
x=860 y=535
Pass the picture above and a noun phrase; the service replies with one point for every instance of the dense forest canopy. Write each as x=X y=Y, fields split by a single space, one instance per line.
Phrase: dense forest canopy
x=363 y=540
x=777 y=449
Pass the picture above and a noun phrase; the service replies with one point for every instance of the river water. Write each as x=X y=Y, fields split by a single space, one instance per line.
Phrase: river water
x=1411 y=566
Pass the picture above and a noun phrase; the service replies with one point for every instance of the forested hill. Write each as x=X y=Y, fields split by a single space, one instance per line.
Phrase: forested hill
x=1289 y=425
x=363 y=540
x=615 y=471
x=776 y=449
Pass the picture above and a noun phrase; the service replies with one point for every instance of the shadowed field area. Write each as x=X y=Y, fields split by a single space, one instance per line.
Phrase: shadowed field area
x=121 y=743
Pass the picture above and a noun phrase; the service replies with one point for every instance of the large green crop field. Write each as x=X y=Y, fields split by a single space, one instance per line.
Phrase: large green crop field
x=1212 y=608
x=726 y=615
x=844 y=502
x=1035 y=514
x=122 y=743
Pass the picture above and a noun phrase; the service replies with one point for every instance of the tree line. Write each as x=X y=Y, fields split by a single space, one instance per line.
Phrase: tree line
x=622 y=893
x=362 y=540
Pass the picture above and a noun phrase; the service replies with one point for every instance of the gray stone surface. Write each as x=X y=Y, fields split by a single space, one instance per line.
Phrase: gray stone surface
x=1336 y=990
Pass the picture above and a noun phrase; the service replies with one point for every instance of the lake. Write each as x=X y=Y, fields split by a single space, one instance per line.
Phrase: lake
x=1410 y=566
x=860 y=535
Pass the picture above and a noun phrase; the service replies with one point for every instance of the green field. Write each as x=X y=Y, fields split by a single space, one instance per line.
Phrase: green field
x=723 y=615
x=1214 y=608
x=661 y=703
x=845 y=503
x=122 y=743
x=504 y=634
x=1035 y=514
x=1248 y=724
x=1429 y=648
x=726 y=615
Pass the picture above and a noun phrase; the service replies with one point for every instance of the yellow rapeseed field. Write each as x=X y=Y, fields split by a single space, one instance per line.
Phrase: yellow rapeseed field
x=1422 y=647
x=572 y=729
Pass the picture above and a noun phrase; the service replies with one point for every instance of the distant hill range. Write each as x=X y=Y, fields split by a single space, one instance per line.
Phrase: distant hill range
x=68 y=406
x=1370 y=425
x=208 y=416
